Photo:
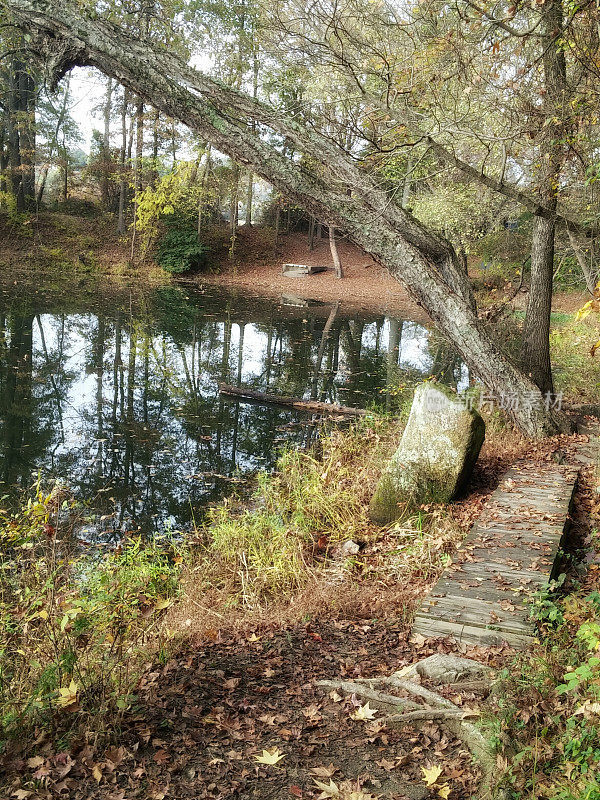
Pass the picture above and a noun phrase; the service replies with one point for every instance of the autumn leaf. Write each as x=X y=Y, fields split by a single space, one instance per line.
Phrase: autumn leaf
x=365 y=712
x=327 y=790
x=324 y=772
x=431 y=774
x=270 y=756
x=444 y=791
x=67 y=695
x=97 y=773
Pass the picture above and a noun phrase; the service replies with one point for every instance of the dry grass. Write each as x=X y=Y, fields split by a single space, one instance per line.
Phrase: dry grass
x=280 y=562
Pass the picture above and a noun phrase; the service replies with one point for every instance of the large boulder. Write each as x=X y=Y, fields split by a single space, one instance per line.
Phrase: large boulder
x=437 y=453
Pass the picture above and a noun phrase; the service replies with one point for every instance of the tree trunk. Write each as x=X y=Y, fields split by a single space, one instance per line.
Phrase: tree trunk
x=139 y=145
x=21 y=135
x=123 y=182
x=203 y=185
x=277 y=224
x=27 y=137
x=589 y=273
x=106 y=160
x=154 y=173
x=407 y=182
x=138 y=180
x=536 y=343
x=425 y=262
x=311 y=233
x=233 y=206
x=249 y=196
x=536 y=334
x=54 y=144
x=337 y=264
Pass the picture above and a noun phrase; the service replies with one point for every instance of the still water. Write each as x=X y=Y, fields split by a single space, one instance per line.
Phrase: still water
x=119 y=399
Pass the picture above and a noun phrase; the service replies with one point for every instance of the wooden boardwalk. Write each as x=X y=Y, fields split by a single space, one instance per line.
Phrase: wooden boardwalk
x=508 y=554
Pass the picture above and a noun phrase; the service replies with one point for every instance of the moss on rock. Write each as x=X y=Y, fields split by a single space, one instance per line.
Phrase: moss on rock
x=437 y=453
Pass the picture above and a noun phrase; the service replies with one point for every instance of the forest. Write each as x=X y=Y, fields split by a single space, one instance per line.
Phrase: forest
x=299 y=399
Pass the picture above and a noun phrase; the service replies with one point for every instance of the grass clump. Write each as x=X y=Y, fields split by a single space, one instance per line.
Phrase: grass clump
x=75 y=628
x=310 y=504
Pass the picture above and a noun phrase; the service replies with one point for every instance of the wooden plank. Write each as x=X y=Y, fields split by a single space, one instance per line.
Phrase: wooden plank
x=509 y=553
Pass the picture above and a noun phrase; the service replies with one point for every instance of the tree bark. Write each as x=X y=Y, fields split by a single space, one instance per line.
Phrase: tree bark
x=337 y=264
x=106 y=160
x=21 y=134
x=536 y=342
x=123 y=182
x=589 y=273
x=425 y=262
x=249 y=197
x=54 y=144
x=536 y=334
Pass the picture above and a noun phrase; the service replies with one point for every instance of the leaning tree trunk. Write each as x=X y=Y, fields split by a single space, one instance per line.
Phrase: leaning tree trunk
x=423 y=261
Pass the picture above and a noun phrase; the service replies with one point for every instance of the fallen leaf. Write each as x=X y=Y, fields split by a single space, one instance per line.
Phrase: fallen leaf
x=431 y=774
x=324 y=772
x=327 y=790
x=365 y=712
x=270 y=756
x=67 y=695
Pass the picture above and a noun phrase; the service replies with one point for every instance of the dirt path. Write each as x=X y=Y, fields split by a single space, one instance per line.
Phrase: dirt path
x=365 y=285
x=202 y=720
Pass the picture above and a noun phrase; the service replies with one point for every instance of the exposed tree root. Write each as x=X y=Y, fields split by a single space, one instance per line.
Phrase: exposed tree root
x=433 y=707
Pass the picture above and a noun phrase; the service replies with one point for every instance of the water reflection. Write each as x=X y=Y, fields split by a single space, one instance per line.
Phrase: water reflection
x=123 y=404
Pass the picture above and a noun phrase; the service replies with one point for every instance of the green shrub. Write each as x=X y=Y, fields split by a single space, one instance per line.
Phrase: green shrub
x=74 y=627
x=549 y=703
x=180 y=251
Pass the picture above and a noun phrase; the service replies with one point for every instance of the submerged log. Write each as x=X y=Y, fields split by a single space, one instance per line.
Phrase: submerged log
x=298 y=403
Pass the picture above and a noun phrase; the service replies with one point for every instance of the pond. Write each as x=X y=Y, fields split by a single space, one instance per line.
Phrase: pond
x=119 y=399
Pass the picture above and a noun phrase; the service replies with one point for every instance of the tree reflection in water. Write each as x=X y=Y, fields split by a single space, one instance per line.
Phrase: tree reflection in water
x=122 y=403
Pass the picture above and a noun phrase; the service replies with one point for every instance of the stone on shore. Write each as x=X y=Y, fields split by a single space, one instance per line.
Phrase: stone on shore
x=436 y=456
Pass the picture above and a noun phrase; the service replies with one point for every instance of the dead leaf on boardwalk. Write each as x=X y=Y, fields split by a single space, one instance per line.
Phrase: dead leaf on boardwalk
x=270 y=756
x=365 y=713
x=431 y=774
